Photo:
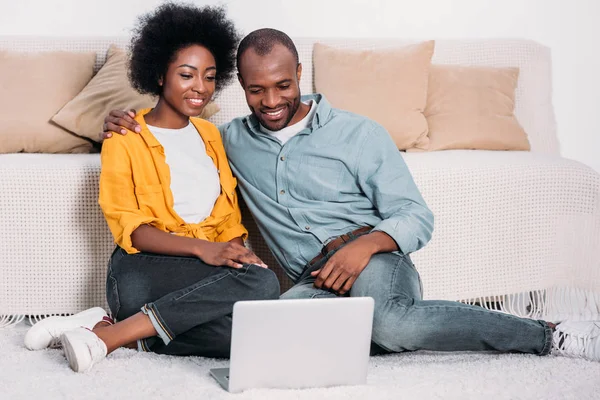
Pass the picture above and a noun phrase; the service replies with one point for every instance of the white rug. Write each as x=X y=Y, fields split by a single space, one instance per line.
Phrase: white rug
x=127 y=374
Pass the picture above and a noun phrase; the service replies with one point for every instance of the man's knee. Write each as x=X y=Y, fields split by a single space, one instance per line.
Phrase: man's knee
x=388 y=275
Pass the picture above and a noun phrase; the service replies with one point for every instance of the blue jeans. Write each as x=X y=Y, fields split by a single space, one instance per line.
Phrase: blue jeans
x=189 y=302
x=403 y=321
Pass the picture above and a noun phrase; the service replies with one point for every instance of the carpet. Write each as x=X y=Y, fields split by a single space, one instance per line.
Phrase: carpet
x=127 y=374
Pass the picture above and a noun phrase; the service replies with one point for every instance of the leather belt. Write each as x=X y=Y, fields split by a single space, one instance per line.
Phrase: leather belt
x=339 y=242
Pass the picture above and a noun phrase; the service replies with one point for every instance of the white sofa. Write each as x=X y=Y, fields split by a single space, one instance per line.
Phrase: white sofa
x=519 y=231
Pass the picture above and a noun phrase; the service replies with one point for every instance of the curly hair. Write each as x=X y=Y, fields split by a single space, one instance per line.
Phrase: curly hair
x=171 y=27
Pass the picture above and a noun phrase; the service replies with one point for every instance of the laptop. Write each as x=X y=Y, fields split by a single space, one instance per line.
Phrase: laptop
x=293 y=344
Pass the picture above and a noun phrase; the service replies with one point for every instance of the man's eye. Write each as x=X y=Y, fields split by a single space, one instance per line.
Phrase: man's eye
x=254 y=91
x=284 y=87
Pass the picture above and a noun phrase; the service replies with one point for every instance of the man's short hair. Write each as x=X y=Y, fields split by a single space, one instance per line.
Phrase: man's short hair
x=263 y=40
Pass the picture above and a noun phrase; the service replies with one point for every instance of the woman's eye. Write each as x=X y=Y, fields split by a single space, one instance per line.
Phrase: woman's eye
x=210 y=78
x=185 y=76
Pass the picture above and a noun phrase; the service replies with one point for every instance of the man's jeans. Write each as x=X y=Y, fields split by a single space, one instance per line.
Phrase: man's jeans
x=189 y=302
x=403 y=321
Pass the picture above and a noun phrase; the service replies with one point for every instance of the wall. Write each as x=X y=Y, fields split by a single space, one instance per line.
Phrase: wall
x=568 y=28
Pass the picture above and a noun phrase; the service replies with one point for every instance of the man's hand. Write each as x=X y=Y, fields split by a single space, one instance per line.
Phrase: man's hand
x=118 y=121
x=344 y=267
x=229 y=254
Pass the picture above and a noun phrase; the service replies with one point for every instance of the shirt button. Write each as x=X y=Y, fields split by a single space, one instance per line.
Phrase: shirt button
x=282 y=158
x=282 y=191
x=307 y=228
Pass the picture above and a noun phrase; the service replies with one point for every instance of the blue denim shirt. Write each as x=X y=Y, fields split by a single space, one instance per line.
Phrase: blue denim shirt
x=341 y=173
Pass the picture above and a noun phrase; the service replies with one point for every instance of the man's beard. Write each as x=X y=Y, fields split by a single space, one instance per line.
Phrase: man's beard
x=293 y=109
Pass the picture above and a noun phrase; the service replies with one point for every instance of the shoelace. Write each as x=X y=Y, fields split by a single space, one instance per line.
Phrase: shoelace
x=570 y=345
x=583 y=345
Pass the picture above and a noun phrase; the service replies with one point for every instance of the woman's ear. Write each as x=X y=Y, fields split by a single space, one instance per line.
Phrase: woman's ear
x=160 y=81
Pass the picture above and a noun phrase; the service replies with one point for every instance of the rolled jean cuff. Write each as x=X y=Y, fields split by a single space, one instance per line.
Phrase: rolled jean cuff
x=548 y=337
x=152 y=313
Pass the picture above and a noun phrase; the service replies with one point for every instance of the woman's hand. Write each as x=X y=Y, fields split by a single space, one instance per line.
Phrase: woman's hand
x=228 y=254
x=232 y=254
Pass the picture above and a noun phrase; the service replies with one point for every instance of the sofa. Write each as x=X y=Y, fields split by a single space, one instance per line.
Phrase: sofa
x=516 y=231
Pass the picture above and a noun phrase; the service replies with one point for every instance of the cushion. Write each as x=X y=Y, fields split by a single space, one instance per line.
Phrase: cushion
x=34 y=87
x=108 y=90
x=472 y=107
x=388 y=86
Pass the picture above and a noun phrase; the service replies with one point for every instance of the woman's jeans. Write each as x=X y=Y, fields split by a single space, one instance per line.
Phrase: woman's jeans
x=188 y=302
x=403 y=321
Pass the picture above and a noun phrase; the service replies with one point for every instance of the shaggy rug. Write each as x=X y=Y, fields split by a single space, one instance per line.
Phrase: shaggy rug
x=127 y=374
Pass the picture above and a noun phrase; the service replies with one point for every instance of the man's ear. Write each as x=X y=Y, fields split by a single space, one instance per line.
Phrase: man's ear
x=299 y=71
x=240 y=80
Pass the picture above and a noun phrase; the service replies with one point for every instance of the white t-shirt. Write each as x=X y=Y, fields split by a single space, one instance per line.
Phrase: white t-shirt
x=289 y=132
x=194 y=178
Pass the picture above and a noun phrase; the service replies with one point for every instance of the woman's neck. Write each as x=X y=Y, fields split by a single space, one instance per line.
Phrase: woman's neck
x=164 y=116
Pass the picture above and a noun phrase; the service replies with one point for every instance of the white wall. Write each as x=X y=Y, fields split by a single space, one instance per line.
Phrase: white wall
x=568 y=28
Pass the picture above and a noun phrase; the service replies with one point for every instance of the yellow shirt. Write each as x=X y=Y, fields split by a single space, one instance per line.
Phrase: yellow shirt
x=135 y=188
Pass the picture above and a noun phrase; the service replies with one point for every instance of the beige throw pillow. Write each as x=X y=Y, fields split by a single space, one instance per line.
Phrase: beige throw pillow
x=33 y=87
x=472 y=107
x=108 y=90
x=388 y=86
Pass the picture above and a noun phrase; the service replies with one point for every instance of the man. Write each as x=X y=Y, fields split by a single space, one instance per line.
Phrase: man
x=339 y=209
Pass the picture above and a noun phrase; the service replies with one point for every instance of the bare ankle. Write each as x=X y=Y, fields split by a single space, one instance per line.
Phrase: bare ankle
x=104 y=322
x=101 y=324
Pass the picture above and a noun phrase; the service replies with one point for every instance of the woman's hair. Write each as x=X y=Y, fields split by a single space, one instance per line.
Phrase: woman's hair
x=171 y=27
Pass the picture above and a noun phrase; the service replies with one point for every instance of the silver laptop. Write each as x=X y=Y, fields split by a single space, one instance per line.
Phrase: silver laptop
x=298 y=344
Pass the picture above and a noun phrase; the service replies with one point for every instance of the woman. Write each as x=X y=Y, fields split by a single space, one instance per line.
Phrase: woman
x=168 y=196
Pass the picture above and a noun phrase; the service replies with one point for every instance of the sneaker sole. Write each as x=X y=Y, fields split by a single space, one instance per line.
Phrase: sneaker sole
x=71 y=352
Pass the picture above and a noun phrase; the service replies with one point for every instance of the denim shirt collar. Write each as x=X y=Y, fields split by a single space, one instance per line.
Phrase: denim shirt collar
x=321 y=115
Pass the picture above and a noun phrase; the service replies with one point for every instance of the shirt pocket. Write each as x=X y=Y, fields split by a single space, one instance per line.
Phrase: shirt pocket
x=324 y=178
x=141 y=190
x=150 y=199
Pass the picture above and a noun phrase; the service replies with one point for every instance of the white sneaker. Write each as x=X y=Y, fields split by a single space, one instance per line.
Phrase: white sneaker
x=577 y=339
x=46 y=333
x=83 y=348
